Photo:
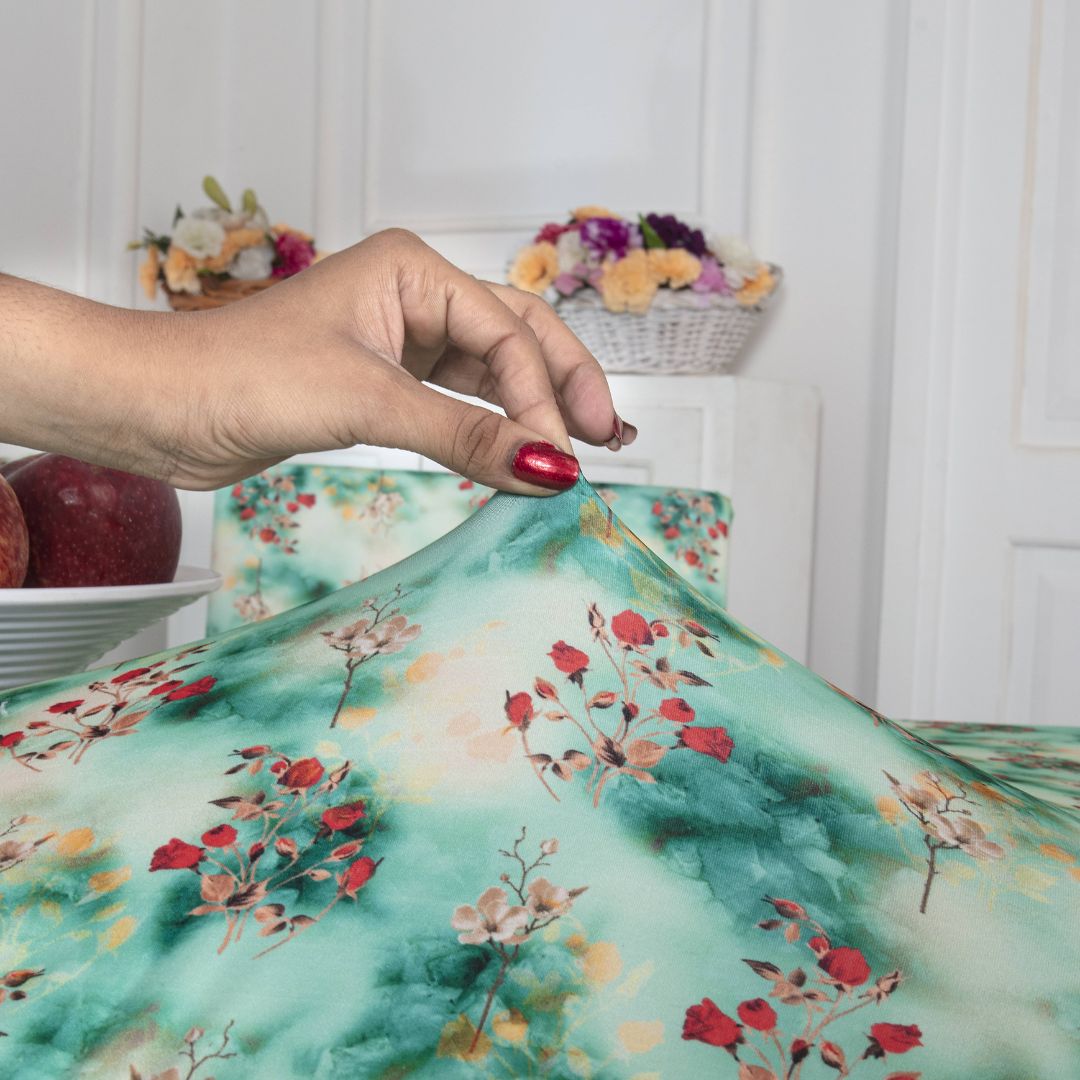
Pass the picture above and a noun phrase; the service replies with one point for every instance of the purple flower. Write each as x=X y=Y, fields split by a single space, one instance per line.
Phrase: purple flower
x=607 y=236
x=711 y=279
x=677 y=234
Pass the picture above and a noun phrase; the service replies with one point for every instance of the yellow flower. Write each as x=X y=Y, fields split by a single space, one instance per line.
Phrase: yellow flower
x=629 y=284
x=148 y=272
x=757 y=288
x=235 y=241
x=180 y=271
x=535 y=268
x=583 y=213
x=675 y=266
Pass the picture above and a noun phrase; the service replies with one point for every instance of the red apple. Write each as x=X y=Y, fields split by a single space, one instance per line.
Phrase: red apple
x=14 y=544
x=89 y=525
x=9 y=467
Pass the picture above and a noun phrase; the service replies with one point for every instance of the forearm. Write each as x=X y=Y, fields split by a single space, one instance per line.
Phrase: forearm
x=89 y=380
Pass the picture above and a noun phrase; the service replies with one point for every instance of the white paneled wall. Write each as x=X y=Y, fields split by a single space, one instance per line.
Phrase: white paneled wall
x=470 y=122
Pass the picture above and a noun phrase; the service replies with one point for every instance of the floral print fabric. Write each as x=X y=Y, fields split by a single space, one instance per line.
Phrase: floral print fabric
x=298 y=532
x=523 y=805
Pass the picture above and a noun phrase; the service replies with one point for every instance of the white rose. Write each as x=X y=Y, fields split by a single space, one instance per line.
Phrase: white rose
x=199 y=237
x=739 y=261
x=570 y=250
x=253 y=263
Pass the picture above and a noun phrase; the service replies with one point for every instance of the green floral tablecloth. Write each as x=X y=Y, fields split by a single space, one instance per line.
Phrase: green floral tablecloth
x=523 y=805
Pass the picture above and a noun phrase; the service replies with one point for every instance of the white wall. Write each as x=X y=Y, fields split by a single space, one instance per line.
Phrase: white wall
x=475 y=120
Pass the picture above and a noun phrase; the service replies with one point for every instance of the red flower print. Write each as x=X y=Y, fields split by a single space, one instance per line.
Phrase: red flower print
x=357 y=876
x=758 y=1014
x=65 y=706
x=165 y=687
x=659 y=629
x=544 y=689
x=833 y=1056
x=519 y=709
x=631 y=629
x=658 y=507
x=895 y=1038
x=302 y=774
x=279 y=767
x=267 y=536
x=846 y=966
x=820 y=944
x=247 y=513
x=306 y=500
x=200 y=686
x=696 y=628
x=671 y=532
x=129 y=675
x=676 y=710
x=250 y=752
x=713 y=741
x=343 y=817
x=707 y=1024
x=692 y=558
x=219 y=836
x=799 y=1049
x=292 y=507
x=568 y=659
x=286 y=846
x=12 y=738
x=176 y=855
x=786 y=908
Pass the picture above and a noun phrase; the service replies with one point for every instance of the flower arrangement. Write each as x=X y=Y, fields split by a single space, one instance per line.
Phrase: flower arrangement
x=627 y=262
x=216 y=254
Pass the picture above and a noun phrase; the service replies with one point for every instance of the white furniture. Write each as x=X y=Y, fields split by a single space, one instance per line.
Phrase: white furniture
x=753 y=440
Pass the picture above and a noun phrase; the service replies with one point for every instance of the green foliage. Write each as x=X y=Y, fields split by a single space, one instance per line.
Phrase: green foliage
x=216 y=194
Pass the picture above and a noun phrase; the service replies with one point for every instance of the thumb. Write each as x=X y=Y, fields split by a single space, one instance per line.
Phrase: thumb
x=482 y=445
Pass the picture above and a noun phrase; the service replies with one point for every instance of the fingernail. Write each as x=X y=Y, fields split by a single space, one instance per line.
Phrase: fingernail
x=616 y=440
x=546 y=466
x=629 y=434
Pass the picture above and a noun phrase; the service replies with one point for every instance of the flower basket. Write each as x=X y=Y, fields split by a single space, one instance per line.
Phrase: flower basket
x=682 y=332
x=651 y=294
x=219 y=254
x=216 y=293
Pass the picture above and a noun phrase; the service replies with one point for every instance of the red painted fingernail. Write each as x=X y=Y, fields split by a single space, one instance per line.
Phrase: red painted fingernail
x=546 y=466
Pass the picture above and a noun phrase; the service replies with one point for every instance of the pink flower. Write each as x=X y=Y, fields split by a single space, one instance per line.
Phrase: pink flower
x=551 y=232
x=711 y=279
x=294 y=254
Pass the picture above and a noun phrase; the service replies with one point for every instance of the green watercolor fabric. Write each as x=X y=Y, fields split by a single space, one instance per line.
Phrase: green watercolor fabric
x=298 y=532
x=523 y=805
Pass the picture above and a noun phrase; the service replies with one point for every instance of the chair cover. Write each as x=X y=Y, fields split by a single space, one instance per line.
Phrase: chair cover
x=298 y=532
x=524 y=805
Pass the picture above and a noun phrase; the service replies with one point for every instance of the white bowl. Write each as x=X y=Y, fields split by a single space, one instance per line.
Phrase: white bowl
x=49 y=632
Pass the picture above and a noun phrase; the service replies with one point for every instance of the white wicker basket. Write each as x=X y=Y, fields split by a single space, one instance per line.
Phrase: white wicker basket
x=682 y=332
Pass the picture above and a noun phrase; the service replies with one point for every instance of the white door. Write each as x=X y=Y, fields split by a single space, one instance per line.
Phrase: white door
x=981 y=597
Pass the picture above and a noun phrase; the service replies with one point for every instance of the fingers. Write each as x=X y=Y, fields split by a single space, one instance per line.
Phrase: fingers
x=477 y=323
x=468 y=439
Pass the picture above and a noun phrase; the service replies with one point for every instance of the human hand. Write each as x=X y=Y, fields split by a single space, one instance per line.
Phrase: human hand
x=341 y=354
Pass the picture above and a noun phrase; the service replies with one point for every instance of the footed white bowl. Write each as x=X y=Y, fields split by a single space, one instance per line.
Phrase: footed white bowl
x=49 y=632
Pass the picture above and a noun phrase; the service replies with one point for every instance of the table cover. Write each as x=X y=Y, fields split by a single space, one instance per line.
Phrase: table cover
x=523 y=805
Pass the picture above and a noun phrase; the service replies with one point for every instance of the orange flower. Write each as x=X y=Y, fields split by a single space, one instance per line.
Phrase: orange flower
x=148 y=272
x=675 y=266
x=755 y=289
x=629 y=284
x=235 y=241
x=583 y=213
x=181 y=274
x=535 y=268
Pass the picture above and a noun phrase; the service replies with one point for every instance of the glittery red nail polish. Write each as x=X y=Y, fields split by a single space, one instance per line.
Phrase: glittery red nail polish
x=546 y=466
